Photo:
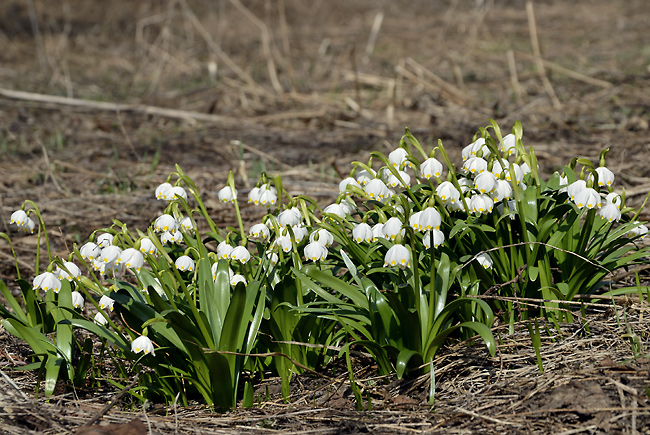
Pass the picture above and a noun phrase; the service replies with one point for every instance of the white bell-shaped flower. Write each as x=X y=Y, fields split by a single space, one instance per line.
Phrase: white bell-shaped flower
x=576 y=187
x=639 y=230
x=485 y=182
x=349 y=181
x=110 y=254
x=479 y=148
x=104 y=240
x=273 y=257
x=398 y=157
x=315 y=251
x=268 y=197
x=392 y=228
x=615 y=199
x=605 y=177
x=518 y=173
x=236 y=279
x=165 y=222
x=46 y=281
x=241 y=254
x=336 y=209
x=299 y=232
x=227 y=194
x=497 y=169
x=481 y=203
x=70 y=271
x=362 y=233
x=179 y=192
x=377 y=231
x=322 y=236
x=165 y=191
x=19 y=217
x=438 y=238
x=414 y=220
x=174 y=236
x=588 y=197
x=431 y=168
x=397 y=255
x=474 y=165
x=259 y=232
x=106 y=303
x=430 y=219
x=393 y=181
x=503 y=191
x=100 y=318
x=224 y=250
x=284 y=243
x=448 y=192
x=364 y=177
x=507 y=147
x=142 y=344
x=131 y=258
x=376 y=189
x=147 y=246
x=186 y=224
x=485 y=260
x=610 y=212
x=184 y=263
x=254 y=196
x=290 y=217
x=78 y=300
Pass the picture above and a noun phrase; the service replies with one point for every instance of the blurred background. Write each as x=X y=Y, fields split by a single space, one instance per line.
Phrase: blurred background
x=99 y=100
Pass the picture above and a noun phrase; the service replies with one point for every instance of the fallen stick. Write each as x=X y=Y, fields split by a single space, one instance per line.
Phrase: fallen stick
x=119 y=107
x=567 y=72
x=448 y=88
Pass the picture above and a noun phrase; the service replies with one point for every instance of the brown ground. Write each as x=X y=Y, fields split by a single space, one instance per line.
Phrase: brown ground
x=296 y=86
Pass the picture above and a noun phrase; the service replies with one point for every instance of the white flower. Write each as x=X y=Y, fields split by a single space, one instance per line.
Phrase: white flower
x=448 y=192
x=397 y=255
x=587 y=197
x=638 y=231
x=165 y=191
x=77 y=299
x=268 y=197
x=525 y=169
x=474 y=165
x=519 y=174
x=349 y=181
x=165 y=222
x=28 y=227
x=503 y=191
x=104 y=240
x=347 y=206
x=299 y=233
x=147 y=246
x=284 y=243
x=393 y=181
x=377 y=231
x=481 y=203
x=614 y=198
x=241 y=254
x=186 y=224
x=485 y=260
x=179 y=193
x=414 y=220
x=224 y=250
x=376 y=189
x=227 y=194
x=336 y=209
x=431 y=168
x=290 y=217
x=273 y=258
x=184 y=263
x=19 y=217
x=574 y=188
x=236 y=279
x=174 y=236
x=392 y=228
x=106 y=303
x=485 y=182
x=438 y=238
x=479 y=147
x=322 y=236
x=605 y=176
x=364 y=177
x=315 y=251
x=610 y=212
x=397 y=157
x=90 y=251
x=254 y=195
x=465 y=184
x=110 y=254
x=131 y=258
x=100 y=318
x=429 y=219
x=71 y=271
x=507 y=147
x=46 y=281
x=362 y=233
x=142 y=344
x=259 y=232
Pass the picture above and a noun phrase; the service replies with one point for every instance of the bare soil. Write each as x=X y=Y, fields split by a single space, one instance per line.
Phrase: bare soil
x=302 y=89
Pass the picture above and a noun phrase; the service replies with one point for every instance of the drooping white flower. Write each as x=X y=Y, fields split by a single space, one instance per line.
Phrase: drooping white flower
x=414 y=220
x=485 y=182
x=147 y=246
x=28 y=227
x=349 y=181
x=69 y=272
x=165 y=191
x=497 y=169
x=438 y=238
x=393 y=181
x=19 y=217
x=179 y=193
x=397 y=255
x=110 y=254
x=615 y=199
x=323 y=236
x=518 y=173
x=481 y=203
x=364 y=177
x=315 y=251
x=273 y=257
x=448 y=192
x=254 y=196
x=485 y=260
x=392 y=228
x=259 y=232
x=236 y=279
x=431 y=168
x=525 y=169
x=224 y=250
x=78 y=300
x=186 y=224
x=479 y=148
x=241 y=254
x=336 y=209
x=268 y=197
x=376 y=189
x=397 y=157
x=142 y=344
x=362 y=233
x=290 y=217
x=610 y=212
x=503 y=191
x=104 y=240
x=165 y=222
x=430 y=219
x=474 y=165
x=377 y=231
x=605 y=177
x=284 y=243
x=299 y=232
x=465 y=184
x=106 y=303
x=174 y=236
x=639 y=230
x=184 y=263
x=47 y=281
x=100 y=318
x=587 y=197
x=227 y=194
x=507 y=147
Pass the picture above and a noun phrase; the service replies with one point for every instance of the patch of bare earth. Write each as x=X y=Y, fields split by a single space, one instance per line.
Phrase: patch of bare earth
x=99 y=100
